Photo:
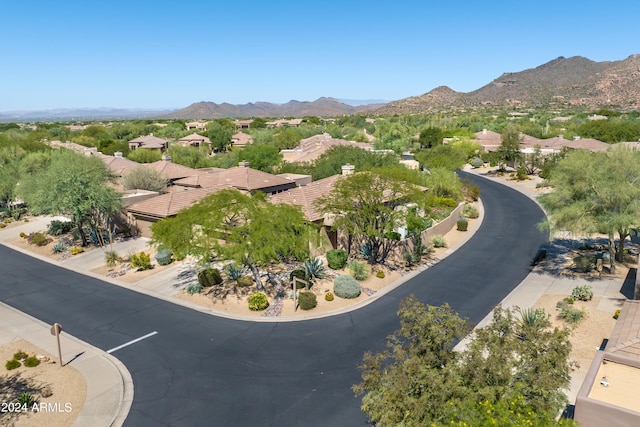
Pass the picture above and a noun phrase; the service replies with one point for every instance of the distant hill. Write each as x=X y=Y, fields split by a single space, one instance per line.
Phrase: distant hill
x=319 y=107
x=575 y=81
x=70 y=114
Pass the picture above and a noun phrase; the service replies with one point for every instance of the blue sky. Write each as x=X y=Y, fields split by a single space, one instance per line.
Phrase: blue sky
x=144 y=54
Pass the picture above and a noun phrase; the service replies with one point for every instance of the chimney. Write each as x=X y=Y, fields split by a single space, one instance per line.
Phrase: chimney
x=484 y=131
x=244 y=164
x=576 y=138
x=348 y=169
x=166 y=158
x=118 y=154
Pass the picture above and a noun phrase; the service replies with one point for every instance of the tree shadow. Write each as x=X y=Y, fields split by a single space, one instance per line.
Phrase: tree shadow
x=12 y=386
x=558 y=253
x=629 y=285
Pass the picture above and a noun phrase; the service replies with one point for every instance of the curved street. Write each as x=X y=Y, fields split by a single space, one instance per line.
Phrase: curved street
x=204 y=370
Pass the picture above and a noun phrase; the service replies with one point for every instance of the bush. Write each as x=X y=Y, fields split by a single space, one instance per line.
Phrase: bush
x=111 y=258
x=616 y=314
x=568 y=300
x=307 y=300
x=571 y=314
x=38 y=239
x=438 y=242
x=582 y=293
x=164 y=256
x=20 y=355
x=75 y=250
x=337 y=258
x=195 y=288
x=392 y=235
x=141 y=261
x=328 y=296
x=476 y=162
x=23 y=235
x=584 y=263
x=462 y=224
x=300 y=274
x=366 y=250
x=209 y=277
x=346 y=287
x=58 y=228
x=245 y=281
x=12 y=364
x=31 y=362
x=359 y=270
x=470 y=211
x=380 y=274
x=258 y=302
x=2 y=225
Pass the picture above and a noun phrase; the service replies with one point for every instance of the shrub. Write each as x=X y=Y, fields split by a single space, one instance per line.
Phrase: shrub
x=380 y=274
x=359 y=270
x=2 y=225
x=58 y=248
x=584 y=263
x=470 y=211
x=258 y=302
x=234 y=271
x=164 y=256
x=141 y=261
x=23 y=235
x=31 y=362
x=75 y=250
x=392 y=235
x=195 y=288
x=245 y=281
x=568 y=300
x=314 y=269
x=300 y=274
x=462 y=224
x=346 y=287
x=616 y=314
x=582 y=293
x=328 y=296
x=38 y=239
x=438 y=242
x=307 y=300
x=337 y=258
x=12 y=364
x=20 y=355
x=476 y=162
x=571 y=314
x=209 y=277
x=58 y=228
x=111 y=258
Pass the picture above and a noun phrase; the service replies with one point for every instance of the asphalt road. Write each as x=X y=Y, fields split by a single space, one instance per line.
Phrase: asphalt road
x=202 y=370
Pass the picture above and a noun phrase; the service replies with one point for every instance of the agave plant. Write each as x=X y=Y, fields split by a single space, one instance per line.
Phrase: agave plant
x=58 y=248
x=235 y=271
x=366 y=250
x=314 y=269
x=26 y=399
x=532 y=320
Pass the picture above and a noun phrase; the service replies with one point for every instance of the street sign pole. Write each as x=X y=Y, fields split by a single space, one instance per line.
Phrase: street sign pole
x=55 y=330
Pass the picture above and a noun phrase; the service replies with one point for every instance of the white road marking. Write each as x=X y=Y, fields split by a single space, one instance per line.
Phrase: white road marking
x=132 y=342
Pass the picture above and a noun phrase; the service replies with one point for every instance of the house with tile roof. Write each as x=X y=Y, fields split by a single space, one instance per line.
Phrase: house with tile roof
x=241 y=177
x=118 y=164
x=194 y=140
x=311 y=148
x=608 y=396
x=169 y=170
x=489 y=140
x=241 y=140
x=148 y=142
x=197 y=125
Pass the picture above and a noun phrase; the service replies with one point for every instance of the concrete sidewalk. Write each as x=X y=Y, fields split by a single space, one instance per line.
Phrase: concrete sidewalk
x=109 y=384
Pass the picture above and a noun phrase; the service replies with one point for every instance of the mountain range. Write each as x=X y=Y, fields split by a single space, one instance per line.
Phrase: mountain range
x=568 y=82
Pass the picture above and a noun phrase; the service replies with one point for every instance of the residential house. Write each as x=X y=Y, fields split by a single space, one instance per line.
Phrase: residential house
x=241 y=177
x=148 y=142
x=243 y=124
x=118 y=164
x=197 y=125
x=608 y=396
x=312 y=148
x=489 y=140
x=194 y=140
x=241 y=140
x=284 y=123
x=171 y=171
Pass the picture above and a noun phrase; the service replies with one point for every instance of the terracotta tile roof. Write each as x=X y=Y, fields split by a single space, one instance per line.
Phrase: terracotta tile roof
x=241 y=139
x=170 y=170
x=119 y=165
x=306 y=196
x=240 y=177
x=146 y=139
x=194 y=137
x=625 y=338
x=169 y=204
x=312 y=148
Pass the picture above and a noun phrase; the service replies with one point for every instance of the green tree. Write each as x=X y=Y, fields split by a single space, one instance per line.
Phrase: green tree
x=236 y=226
x=73 y=185
x=143 y=155
x=420 y=380
x=262 y=157
x=190 y=157
x=596 y=193
x=430 y=137
x=365 y=204
x=144 y=178
x=10 y=158
x=219 y=136
x=510 y=145
x=331 y=161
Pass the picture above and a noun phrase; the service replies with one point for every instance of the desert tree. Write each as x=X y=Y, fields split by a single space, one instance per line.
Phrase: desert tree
x=144 y=178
